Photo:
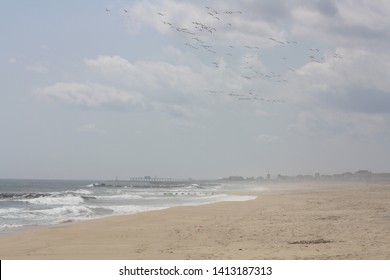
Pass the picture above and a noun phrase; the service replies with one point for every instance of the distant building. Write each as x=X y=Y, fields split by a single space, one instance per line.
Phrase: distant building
x=259 y=178
x=282 y=177
x=236 y=178
x=363 y=175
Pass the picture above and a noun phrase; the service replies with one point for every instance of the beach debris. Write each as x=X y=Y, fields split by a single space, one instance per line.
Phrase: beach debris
x=316 y=241
x=332 y=217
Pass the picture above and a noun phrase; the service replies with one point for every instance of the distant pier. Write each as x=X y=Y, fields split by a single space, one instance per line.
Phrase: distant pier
x=148 y=180
x=157 y=180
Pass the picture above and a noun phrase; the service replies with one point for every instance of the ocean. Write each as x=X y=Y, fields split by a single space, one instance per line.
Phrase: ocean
x=27 y=204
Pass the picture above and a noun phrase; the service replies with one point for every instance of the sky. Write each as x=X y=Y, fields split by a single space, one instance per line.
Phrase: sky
x=203 y=89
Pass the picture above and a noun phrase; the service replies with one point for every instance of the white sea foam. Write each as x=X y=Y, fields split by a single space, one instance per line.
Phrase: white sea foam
x=80 y=191
x=239 y=197
x=65 y=210
x=218 y=198
x=4 y=211
x=119 y=197
x=132 y=209
x=48 y=214
x=17 y=213
x=7 y=226
x=56 y=200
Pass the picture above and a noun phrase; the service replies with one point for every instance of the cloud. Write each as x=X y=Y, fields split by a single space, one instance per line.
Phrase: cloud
x=347 y=80
x=164 y=81
x=45 y=47
x=314 y=124
x=348 y=94
x=174 y=110
x=362 y=23
x=230 y=24
x=12 y=60
x=363 y=99
x=326 y=7
x=344 y=72
x=38 y=68
x=159 y=86
x=89 y=128
x=343 y=23
x=331 y=124
x=88 y=94
x=266 y=138
x=346 y=76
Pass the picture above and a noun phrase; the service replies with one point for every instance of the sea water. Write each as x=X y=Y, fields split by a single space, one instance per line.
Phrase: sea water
x=26 y=204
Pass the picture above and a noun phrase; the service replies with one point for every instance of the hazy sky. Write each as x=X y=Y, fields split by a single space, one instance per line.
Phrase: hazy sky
x=202 y=89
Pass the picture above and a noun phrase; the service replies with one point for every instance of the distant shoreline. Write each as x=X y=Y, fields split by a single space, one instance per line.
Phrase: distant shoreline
x=365 y=176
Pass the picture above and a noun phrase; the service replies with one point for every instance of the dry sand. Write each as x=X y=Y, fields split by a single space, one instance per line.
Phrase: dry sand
x=321 y=222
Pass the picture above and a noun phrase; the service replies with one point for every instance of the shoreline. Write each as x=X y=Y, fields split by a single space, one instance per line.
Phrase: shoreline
x=288 y=222
x=239 y=196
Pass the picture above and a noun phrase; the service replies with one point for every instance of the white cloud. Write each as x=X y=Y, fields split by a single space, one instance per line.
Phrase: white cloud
x=88 y=94
x=351 y=23
x=89 y=128
x=266 y=138
x=365 y=125
x=347 y=95
x=38 y=68
x=347 y=22
x=12 y=60
x=174 y=110
x=160 y=86
x=349 y=79
x=45 y=47
x=232 y=26
x=162 y=79
x=328 y=124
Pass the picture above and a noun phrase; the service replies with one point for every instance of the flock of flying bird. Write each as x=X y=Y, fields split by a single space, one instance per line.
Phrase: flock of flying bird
x=197 y=38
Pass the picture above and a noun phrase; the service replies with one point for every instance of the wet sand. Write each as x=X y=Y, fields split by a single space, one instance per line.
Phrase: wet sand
x=288 y=222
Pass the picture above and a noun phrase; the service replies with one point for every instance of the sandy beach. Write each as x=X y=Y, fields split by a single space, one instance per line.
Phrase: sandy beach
x=288 y=222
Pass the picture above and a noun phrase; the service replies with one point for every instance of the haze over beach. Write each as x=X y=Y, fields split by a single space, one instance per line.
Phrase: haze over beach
x=99 y=89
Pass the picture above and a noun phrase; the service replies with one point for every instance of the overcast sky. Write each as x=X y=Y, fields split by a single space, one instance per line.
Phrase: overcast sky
x=201 y=89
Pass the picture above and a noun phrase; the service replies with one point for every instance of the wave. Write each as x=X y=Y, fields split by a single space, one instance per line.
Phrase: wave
x=65 y=210
x=5 y=211
x=16 y=196
x=50 y=198
x=120 y=197
x=132 y=209
x=56 y=200
x=51 y=214
x=96 y=185
x=8 y=226
x=80 y=191
x=19 y=213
